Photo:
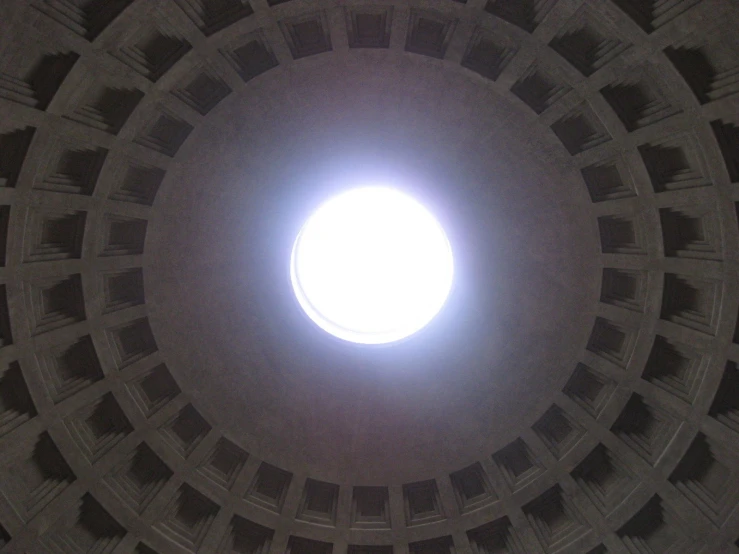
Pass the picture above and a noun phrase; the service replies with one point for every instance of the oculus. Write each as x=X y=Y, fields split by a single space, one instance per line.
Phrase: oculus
x=371 y=266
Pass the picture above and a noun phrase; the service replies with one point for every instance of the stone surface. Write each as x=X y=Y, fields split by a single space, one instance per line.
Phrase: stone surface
x=160 y=390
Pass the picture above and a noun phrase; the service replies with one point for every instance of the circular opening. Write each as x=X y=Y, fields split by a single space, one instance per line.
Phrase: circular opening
x=372 y=266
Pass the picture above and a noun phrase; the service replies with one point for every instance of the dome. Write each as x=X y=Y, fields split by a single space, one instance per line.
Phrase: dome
x=162 y=387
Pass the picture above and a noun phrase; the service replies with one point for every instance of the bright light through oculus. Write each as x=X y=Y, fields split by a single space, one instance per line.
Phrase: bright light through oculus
x=371 y=266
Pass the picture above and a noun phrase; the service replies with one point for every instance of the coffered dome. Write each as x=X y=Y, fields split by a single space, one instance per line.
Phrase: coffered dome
x=161 y=389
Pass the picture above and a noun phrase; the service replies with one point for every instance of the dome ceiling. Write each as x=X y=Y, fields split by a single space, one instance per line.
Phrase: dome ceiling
x=160 y=389
x=225 y=221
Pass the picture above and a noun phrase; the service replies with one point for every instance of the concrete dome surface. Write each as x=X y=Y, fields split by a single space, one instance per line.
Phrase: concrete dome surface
x=163 y=391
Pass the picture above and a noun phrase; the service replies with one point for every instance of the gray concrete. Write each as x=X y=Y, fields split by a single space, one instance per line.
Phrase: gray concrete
x=159 y=386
